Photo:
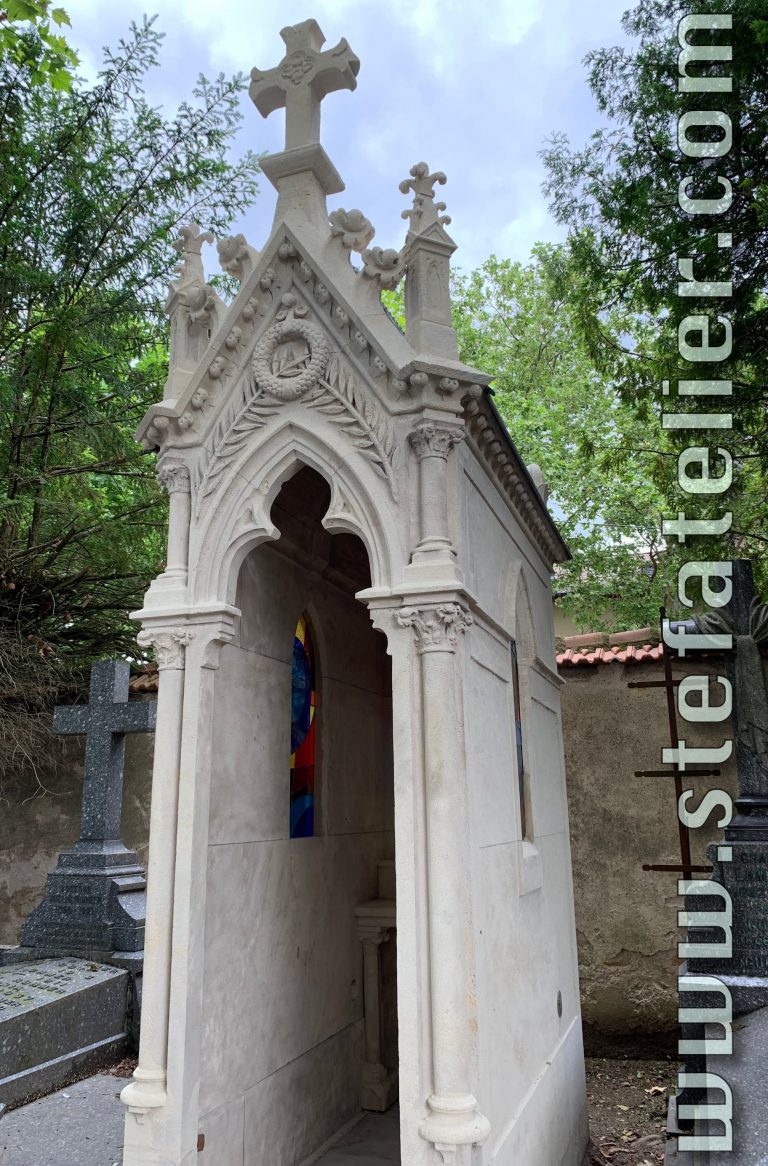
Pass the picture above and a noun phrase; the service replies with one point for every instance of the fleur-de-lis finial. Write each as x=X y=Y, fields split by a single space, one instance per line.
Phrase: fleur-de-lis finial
x=425 y=210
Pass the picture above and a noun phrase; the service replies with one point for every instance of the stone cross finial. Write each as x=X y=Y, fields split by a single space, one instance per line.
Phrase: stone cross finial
x=302 y=79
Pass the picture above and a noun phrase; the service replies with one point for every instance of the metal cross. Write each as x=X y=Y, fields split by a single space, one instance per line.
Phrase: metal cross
x=302 y=79
x=104 y=721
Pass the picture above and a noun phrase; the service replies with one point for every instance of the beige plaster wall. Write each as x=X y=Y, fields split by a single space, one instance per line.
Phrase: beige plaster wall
x=626 y=918
x=40 y=819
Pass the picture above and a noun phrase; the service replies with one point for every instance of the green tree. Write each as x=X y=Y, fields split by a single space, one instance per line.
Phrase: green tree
x=519 y=322
x=618 y=196
x=28 y=42
x=94 y=184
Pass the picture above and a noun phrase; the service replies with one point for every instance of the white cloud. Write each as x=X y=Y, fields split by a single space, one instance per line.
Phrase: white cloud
x=473 y=89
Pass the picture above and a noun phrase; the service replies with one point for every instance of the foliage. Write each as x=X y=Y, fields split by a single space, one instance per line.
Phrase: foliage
x=619 y=198
x=518 y=322
x=94 y=184
x=28 y=42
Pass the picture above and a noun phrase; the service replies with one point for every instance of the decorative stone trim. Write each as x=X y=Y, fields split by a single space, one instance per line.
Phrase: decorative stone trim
x=433 y=440
x=436 y=629
x=168 y=645
x=291 y=356
x=174 y=478
x=352 y=227
x=486 y=440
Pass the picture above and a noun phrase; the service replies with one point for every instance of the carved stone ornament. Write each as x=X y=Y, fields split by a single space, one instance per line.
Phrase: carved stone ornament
x=354 y=229
x=384 y=264
x=291 y=357
x=430 y=440
x=436 y=629
x=174 y=478
x=168 y=646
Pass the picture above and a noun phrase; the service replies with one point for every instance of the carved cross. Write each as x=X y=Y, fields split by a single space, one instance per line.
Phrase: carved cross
x=302 y=79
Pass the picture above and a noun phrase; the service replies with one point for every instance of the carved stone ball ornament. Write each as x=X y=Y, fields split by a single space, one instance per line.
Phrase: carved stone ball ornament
x=291 y=356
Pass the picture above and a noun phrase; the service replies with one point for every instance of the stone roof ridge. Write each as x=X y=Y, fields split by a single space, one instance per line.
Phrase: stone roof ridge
x=492 y=444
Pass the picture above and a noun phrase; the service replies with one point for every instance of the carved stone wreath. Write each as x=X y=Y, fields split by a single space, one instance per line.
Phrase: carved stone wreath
x=289 y=359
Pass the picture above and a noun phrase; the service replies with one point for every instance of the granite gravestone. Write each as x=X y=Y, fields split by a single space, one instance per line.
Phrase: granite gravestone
x=740 y=867
x=95 y=899
x=740 y=864
x=58 y=1017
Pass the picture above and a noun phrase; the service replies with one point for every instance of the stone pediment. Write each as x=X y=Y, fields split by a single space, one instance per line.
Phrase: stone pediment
x=335 y=300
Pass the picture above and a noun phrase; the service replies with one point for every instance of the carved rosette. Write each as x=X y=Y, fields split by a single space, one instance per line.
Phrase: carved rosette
x=436 y=629
x=432 y=440
x=174 y=478
x=168 y=646
x=290 y=359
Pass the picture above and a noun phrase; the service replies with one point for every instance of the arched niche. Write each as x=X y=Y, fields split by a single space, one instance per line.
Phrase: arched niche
x=280 y=912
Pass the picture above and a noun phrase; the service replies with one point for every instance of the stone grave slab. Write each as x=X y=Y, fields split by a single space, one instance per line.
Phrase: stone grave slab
x=57 y=1017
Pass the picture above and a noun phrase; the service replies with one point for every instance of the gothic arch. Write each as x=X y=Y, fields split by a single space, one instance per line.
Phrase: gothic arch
x=240 y=520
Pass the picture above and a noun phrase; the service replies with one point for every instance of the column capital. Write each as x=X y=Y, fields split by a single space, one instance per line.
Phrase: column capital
x=435 y=439
x=168 y=644
x=174 y=477
x=437 y=628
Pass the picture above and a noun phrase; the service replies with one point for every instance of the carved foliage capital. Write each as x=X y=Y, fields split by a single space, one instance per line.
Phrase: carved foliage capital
x=174 y=477
x=167 y=645
x=436 y=629
x=432 y=440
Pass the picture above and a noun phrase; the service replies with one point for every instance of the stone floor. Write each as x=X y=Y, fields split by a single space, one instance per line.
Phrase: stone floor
x=374 y=1141
x=83 y=1126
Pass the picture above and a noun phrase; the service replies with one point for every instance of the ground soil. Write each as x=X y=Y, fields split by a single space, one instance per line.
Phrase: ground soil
x=628 y=1109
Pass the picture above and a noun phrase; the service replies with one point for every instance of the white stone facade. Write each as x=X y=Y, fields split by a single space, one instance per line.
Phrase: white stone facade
x=253 y=1034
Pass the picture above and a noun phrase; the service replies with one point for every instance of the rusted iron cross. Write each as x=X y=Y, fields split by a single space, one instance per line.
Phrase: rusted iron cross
x=302 y=79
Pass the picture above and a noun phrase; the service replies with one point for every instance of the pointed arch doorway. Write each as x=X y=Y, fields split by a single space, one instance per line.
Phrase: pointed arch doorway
x=301 y=835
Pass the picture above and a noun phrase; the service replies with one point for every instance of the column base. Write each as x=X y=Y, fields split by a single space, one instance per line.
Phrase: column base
x=146 y=1091
x=379 y=1088
x=454 y=1121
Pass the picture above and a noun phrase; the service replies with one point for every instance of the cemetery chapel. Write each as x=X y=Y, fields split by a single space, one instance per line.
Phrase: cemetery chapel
x=359 y=883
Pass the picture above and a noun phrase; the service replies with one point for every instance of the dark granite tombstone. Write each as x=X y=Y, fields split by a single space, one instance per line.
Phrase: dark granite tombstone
x=95 y=899
x=740 y=862
x=59 y=1018
x=740 y=866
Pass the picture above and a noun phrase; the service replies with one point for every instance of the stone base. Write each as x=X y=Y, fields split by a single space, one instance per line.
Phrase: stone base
x=95 y=904
x=58 y=1018
x=379 y=1088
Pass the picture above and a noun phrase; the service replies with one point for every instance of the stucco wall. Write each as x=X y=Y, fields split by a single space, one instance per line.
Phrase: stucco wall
x=38 y=820
x=626 y=918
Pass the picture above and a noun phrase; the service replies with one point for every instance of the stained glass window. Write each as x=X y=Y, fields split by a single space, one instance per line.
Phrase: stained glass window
x=519 y=740
x=303 y=728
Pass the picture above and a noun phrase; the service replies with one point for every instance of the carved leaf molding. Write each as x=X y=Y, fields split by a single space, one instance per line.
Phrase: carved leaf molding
x=337 y=395
x=248 y=411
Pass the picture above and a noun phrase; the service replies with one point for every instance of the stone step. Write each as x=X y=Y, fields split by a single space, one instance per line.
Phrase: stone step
x=58 y=1017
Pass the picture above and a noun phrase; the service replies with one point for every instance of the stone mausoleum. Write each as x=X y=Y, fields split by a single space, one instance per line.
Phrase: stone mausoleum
x=359 y=873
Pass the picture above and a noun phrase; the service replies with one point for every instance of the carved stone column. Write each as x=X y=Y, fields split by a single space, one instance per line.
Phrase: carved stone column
x=148 y=1088
x=174 y=477
x=454 y=1119
x=432 y=442
x=375 y=924
x=162 y=1120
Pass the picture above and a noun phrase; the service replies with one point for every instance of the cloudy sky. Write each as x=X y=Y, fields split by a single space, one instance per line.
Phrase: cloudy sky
x=473 y=89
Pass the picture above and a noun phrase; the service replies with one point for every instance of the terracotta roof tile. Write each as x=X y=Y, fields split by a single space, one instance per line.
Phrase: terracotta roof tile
x=145 y=681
